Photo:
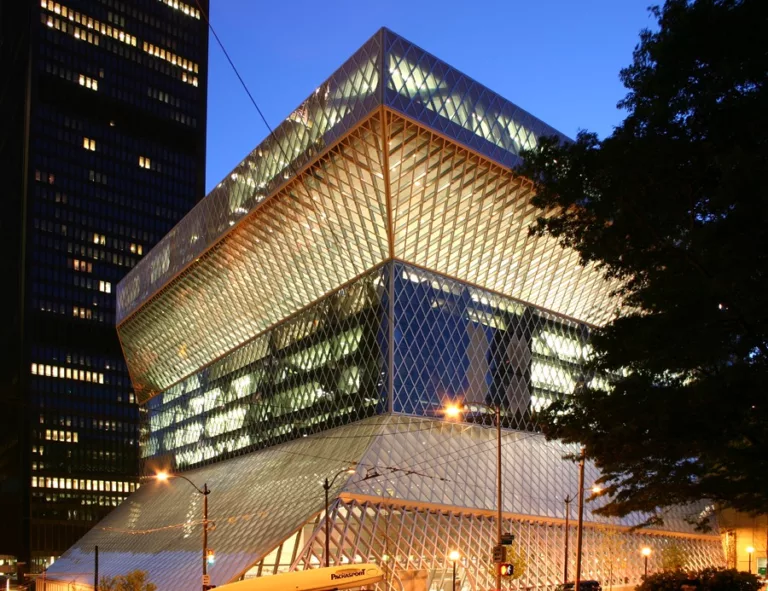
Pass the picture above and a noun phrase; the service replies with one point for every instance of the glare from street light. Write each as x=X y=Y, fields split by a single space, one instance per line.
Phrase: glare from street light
x=750 y=549
x=596 y=489
x=351 y=470
x=161 y=476
x=454 y=555
x=452 y=411
x=646 y=551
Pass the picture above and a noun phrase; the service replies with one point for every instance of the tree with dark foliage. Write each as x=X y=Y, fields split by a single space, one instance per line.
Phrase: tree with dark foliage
x=708 y=579
x=673 y=205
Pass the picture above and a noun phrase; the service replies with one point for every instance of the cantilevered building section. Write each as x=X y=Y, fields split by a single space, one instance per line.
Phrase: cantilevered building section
x=368 y=264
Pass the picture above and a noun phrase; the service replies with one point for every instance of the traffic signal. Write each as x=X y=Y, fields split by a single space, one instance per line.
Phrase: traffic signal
x=210 y=556
x=499 y=554
x=506 y=569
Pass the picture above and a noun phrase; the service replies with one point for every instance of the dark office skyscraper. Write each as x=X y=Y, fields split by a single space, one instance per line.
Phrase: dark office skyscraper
x=103 y=151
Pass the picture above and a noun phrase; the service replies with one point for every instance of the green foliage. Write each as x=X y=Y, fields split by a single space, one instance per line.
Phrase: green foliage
x=709 y=579
x=518 y=561
x=134 y=581
x=514 y=557
x=666 y=580
x=674 y=557
x=715 y=579
x=673 y=206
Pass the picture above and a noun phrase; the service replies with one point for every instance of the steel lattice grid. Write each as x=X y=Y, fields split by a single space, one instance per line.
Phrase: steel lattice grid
x=318 y=233
x=411 y=542
x=321 y=369
x=417 y=84
x=256 y=502
x=475 y=231
x=338 y=104
x=462 y=215
x=330 y=226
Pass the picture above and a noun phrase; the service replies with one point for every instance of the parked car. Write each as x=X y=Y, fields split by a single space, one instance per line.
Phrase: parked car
x=583 y=586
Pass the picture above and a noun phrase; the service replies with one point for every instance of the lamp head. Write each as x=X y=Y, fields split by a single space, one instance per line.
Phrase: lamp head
x=161 y=476
x=750 y=549
x=452 y=411
x=596 y=489
x=454 y=555
x=645 y=551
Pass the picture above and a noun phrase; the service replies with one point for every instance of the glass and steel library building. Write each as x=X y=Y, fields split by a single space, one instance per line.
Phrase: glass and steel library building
x=309 y=321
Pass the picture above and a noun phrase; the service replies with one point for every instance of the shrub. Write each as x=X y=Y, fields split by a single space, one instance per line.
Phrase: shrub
x=708 y=579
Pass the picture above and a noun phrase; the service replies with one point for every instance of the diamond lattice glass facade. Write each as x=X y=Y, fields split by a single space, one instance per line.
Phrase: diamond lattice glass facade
x=363 y=267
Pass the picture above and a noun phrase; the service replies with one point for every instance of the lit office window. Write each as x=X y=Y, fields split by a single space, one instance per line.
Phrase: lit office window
x=145 y=162
x=91 y=25
x=82 y=312
x=171 y=58
x=185 y=8
x=88 y=82
x=189 y=79
x=89 y=144
x=54 y=371
x=61 y=436
x=82 y=266
x=105 y=286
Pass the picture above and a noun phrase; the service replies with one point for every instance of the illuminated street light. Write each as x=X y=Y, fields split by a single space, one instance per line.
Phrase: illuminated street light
x=596 y=490
x=454 y=556
x=454 y=411
x=205 y=491
x=646 y=552
x=750 y=550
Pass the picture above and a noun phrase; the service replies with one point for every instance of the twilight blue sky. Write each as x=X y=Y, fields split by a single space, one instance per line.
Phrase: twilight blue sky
x=558 y=59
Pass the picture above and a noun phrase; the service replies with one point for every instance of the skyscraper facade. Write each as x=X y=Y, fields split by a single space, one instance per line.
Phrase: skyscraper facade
x=306 y=327
x=103 y=154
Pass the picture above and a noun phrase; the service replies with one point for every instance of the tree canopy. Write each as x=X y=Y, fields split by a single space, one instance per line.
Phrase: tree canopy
x=673 y=205
x=708 y=579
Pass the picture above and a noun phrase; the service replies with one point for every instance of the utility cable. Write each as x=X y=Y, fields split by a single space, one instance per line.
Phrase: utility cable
x=239 y=77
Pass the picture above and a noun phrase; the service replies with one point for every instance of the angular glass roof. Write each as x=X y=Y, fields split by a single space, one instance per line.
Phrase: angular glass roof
x=259 y=500
x=387 y=71
x=389 y=189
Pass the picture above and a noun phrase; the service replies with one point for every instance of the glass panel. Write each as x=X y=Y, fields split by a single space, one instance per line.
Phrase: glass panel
x=318 y=370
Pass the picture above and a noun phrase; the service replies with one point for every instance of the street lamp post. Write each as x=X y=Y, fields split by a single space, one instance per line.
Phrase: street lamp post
x=454 y=557
x=580 y=529
x=327 y=487
x=750 y=550
x=646 y=552
x=453 y=411
x=568 y=501
x=205 y=491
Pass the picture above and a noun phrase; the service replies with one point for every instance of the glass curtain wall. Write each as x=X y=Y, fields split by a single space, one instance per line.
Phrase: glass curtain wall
x=327 y=366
